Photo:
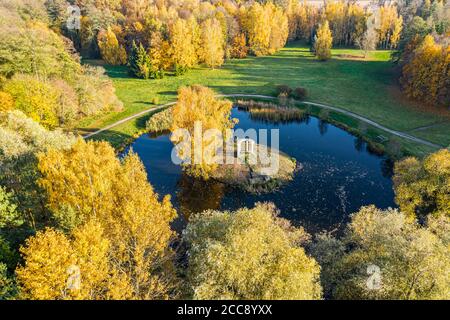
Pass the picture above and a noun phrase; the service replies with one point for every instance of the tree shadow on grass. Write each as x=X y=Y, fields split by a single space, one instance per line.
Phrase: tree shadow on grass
x=168 y=93
x=118 y=140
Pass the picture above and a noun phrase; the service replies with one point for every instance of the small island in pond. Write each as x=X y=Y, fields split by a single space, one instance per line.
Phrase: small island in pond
x=260 y=171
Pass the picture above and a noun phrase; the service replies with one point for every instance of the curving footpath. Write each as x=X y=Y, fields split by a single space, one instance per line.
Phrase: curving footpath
x=324 y=106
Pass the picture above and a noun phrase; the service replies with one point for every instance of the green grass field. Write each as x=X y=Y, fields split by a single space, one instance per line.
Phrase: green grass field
x=364 y=86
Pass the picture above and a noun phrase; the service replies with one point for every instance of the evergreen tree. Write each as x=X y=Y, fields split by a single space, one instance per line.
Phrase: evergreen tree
x=139 y=62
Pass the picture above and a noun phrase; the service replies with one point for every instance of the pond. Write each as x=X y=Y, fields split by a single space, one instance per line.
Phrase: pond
x=338 y=175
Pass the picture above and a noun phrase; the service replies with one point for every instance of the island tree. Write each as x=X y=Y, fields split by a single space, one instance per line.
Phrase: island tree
x=198 y=110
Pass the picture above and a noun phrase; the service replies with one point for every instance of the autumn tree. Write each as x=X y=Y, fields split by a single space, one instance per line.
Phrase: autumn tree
x=423 y=187
x=249 y=254
x=257 y=29
x=279 y=28
x=117 y=195
x=47 y=256
x=30 y=49
x=37 y=99
x=303 y=18
x=425 y=75
x=184 y=39
x=382 y=255
x=239 y=47
x=110 y=49
x=323 y=42
x=266 y=27
x=68 y=267
x=212 y=43
x=20 y=140
x=96 y=92
x=196 y=111
x=390 y=26
x=335 y=16
x=369 y=39
x=159 y=54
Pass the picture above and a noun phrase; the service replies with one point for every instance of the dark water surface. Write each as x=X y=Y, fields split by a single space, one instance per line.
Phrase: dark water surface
x=338 y=175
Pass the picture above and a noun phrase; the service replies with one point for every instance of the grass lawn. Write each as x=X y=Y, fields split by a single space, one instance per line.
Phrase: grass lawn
x=364 y=86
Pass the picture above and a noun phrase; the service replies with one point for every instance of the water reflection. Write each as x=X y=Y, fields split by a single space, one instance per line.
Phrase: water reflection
x=195 y=195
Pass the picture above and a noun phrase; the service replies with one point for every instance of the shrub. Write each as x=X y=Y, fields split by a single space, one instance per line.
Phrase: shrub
x=155 y=100
x=283 y=89
x=300 y=93
x=36 y=98
x=283 y=99
x=96 y=92
x=160 y=121
x=324 y=114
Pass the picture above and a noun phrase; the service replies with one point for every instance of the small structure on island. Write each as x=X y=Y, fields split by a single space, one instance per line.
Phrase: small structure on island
x=245 y=146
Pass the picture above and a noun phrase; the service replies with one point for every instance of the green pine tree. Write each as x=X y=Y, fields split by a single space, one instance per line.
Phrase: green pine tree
x=139 y=62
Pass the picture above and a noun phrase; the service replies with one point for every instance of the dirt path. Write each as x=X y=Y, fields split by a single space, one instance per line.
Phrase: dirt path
x=324 y=106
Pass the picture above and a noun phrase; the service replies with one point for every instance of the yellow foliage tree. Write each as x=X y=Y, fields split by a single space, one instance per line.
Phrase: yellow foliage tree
x=382 y=255
x=390 y=26
x=198 y=105
x=302 y=21
x=255 y=24
x=323 y=42
x=249 y=254
x=425 y=76
x=36 y=98
x=89 y=182
x=266 y=27
x=69 y=267
x=159 y=54
x=212 y=43
x=279 y=27
x=239 y=47
x=48 y=256
x=184 y=43
x=423 y=187
x=110 y=49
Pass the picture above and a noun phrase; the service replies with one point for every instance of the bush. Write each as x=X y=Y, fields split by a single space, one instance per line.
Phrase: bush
x=283 y=99
x=36 y=98
x=160 y=121
x=283 y=90
x=300 y=93
x=155 y=100
x=96 y=92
